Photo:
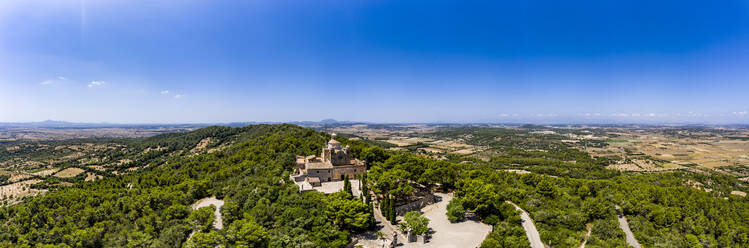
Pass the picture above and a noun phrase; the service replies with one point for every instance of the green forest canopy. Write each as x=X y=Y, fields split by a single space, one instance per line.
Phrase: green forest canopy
x=149 y=208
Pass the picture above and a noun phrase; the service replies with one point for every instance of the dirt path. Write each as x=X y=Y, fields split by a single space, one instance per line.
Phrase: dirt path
x=631 y=240
x=205 y=202
x=587 y=235
x=530 y=229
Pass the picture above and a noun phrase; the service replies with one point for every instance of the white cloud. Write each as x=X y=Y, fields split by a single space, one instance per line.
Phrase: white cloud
x=164 y=92
x=178 y=96
x=55 y=80
x=741 y=113
x=96 y=84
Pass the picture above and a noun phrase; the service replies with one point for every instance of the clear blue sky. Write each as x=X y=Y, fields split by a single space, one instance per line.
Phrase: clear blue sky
x=381 y=61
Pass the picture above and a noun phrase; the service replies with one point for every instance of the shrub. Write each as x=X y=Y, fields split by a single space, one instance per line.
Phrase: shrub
x=418 y=223
x=455 y=210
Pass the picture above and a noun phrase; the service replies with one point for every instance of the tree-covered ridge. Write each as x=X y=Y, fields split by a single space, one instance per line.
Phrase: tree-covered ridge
x=148 y=209
x=667 y=213
x=105 y=157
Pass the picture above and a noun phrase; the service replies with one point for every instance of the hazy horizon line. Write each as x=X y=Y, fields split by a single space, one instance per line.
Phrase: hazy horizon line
x=333 y=121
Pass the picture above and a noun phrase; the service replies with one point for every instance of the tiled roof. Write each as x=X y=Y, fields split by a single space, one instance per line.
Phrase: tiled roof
x=319 y=165
x=313 y=179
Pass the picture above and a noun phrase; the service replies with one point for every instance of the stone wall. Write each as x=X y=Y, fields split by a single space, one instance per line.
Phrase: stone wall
x=415 y=205
x=325 y=175
x=297 y=178
x=350 y=171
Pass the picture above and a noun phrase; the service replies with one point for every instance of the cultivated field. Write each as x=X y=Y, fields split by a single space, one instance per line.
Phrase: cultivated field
x=657 y=149
x=627 y=148
x=412 y=137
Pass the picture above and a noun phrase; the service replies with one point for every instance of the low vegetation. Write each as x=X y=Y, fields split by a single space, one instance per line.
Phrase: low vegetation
x=455 y=210
x=416 y=222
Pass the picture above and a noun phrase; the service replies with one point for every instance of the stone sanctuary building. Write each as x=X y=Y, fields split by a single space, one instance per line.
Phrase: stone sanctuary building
x=333 y=164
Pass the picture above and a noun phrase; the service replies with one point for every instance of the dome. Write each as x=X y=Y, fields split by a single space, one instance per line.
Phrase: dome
x=332 y=139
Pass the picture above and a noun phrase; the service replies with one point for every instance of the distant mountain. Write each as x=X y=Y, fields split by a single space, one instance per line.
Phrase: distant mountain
x=65 y=124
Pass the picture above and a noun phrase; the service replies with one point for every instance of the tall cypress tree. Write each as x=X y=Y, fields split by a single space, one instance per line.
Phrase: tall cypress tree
x=384 y=208
x=393 y=213
x=347 y=186
x=372 y=221
x=365 y=191
x=391 y=203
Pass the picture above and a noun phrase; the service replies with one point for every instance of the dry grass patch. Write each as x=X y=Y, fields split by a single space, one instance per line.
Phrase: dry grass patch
x=44 y=173
x=75 y=155
x=69 y=172
x=518 y=171
x=124 y=161
x=432 y=150
x=403 y=141
x=92 y=177
x=14 y=192
x=158 y=148
x=202 y=145
x=16 y=177
x=464 y=151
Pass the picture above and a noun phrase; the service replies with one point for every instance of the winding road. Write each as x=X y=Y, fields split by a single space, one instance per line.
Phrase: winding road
x=205 y=202
x=631 y=240
x=218 y=223
x=530 y=229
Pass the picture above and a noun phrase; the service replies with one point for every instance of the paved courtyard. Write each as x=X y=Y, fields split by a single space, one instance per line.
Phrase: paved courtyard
x=465 y=234
x=331 y=187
